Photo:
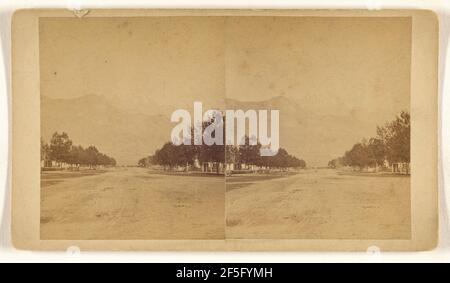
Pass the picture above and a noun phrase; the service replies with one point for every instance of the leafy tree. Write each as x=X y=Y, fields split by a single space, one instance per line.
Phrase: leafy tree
x=397 y=136
x=61 y=150
x=377 y=152
x=358 y=156
x=142 y=162
x=336 y=163
x=210 y=153
x=146 y=161
x=170 y=155
x=249 y=154
x=231 y=154
x=75 y=155
x=392 y=143
x=164 y=156
x=45 y=150
x=60 y=146
x=282 y=160
x=92 y=156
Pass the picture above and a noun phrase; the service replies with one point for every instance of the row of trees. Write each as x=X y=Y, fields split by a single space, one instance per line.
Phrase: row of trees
x=250 y=155
x=171 y=155
x=62 y=151
x=392 y=144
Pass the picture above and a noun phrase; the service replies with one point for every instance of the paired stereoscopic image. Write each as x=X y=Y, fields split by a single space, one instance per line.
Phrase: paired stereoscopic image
x=225 y=128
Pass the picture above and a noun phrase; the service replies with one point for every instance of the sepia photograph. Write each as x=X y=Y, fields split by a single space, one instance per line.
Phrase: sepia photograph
x=225 y=127
x=108 y=90
x=342 y=88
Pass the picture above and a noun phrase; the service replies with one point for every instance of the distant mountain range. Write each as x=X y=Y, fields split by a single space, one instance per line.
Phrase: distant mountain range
x=92 y=120
x=308 y=135
x=128 y=136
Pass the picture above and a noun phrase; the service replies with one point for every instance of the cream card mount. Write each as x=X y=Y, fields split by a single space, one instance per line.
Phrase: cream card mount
x=350 y=98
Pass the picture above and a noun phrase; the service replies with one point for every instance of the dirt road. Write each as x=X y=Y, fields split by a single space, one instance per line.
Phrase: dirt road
x=320 y=204
x=130 y=203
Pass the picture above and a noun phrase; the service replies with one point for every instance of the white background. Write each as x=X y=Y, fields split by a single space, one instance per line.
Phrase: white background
x=9 y=254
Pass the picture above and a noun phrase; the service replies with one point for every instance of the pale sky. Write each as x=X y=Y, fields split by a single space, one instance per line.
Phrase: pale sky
x=342 y=65
x=134 y=62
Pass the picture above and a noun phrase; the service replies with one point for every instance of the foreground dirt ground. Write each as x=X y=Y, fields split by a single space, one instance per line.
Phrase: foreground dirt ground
x=130 y=203
x=133 y=203
x=319 y=204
